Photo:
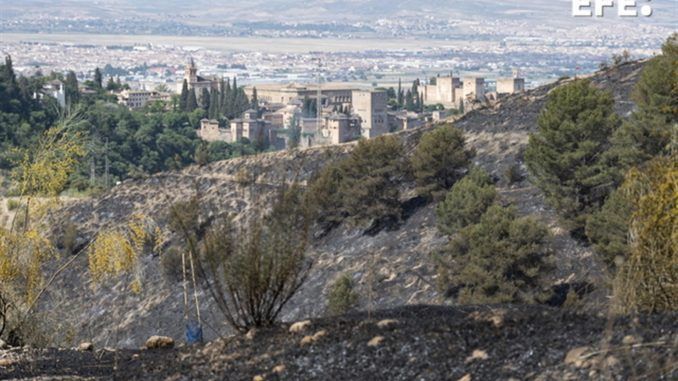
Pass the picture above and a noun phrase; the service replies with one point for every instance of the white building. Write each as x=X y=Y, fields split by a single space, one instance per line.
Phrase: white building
x=56 y=89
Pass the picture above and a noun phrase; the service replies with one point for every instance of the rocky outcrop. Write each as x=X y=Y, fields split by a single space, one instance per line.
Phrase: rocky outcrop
x=391 y=268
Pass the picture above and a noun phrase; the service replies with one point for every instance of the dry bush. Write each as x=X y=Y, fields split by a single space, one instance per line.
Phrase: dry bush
x=513 y=175
x=69 y=238
x=648 y=280
x=253 y=270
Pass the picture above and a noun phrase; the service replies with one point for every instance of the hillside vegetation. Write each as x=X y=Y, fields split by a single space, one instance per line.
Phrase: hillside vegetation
x=506 y=209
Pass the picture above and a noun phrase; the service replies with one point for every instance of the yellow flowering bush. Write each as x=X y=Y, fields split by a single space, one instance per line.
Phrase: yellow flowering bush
x=117 y=251
x=40 y=176
x=647 y=282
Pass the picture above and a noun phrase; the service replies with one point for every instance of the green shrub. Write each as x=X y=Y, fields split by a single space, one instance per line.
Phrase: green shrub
x=564 y=156
x=342 y=297
x=466 y=201
x=498 y=260
x=13 y=204
x=439 y=160
x=608 y=229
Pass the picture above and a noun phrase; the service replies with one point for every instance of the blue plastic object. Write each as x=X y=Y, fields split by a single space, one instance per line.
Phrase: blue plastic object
x=193 y=333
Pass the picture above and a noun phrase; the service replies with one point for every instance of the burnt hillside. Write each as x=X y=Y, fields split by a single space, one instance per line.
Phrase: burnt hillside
x=400 y=258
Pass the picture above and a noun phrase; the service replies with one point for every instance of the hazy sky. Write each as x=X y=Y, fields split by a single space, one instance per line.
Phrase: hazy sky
x=552 y=11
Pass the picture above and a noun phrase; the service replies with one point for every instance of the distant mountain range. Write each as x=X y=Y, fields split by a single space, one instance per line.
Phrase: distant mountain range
x=326 y=11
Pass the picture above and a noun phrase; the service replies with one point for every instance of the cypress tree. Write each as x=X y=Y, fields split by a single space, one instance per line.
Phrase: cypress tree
x=409 y=101
x=226 y=99
x=255 y=100
x=98 y=79
x=192 y=101
x=220 y=98
x=183 y=99
x=400 y=93
x=8 y=86
x=71 y=88
x=110 y=85
x=213 y=111
x=205 y=100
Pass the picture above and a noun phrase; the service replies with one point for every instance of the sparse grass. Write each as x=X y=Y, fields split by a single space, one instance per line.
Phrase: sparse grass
x=13 y=204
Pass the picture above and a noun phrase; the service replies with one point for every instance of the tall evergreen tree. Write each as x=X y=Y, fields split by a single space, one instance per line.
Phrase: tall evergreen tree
x=71 y=88
x=183 y=98
x=564 y=156
x=409 y=101
x=9 y=89
x=255 y=100
x=192 y=101
x=98 y=79
x=400 y=93
x=648 y=132
x=226 y=99
x=205 y=98
x=220 y=98
x=110 y=84
x=213 y=110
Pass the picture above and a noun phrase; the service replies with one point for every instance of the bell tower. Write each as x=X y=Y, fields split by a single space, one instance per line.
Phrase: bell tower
x=191 y=73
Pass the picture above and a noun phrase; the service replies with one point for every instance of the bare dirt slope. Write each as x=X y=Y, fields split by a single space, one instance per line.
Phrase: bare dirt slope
x=400 y=258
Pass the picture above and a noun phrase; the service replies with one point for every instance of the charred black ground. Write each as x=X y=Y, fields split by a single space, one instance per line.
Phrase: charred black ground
x=410 y=343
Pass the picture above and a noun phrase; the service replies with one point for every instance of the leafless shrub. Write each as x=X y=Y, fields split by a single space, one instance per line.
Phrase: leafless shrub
x=253 y=270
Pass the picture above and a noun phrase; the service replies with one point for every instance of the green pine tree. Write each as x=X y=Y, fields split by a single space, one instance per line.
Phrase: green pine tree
x=468 y=199
x=501 y=259
x=648 y=132
x=564 y=156
x=439 y=160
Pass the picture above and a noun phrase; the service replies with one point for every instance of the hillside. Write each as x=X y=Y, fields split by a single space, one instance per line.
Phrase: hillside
x=392 y=268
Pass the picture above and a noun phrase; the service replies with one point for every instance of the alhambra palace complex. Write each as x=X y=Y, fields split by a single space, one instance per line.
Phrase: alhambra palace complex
x=364 y=112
